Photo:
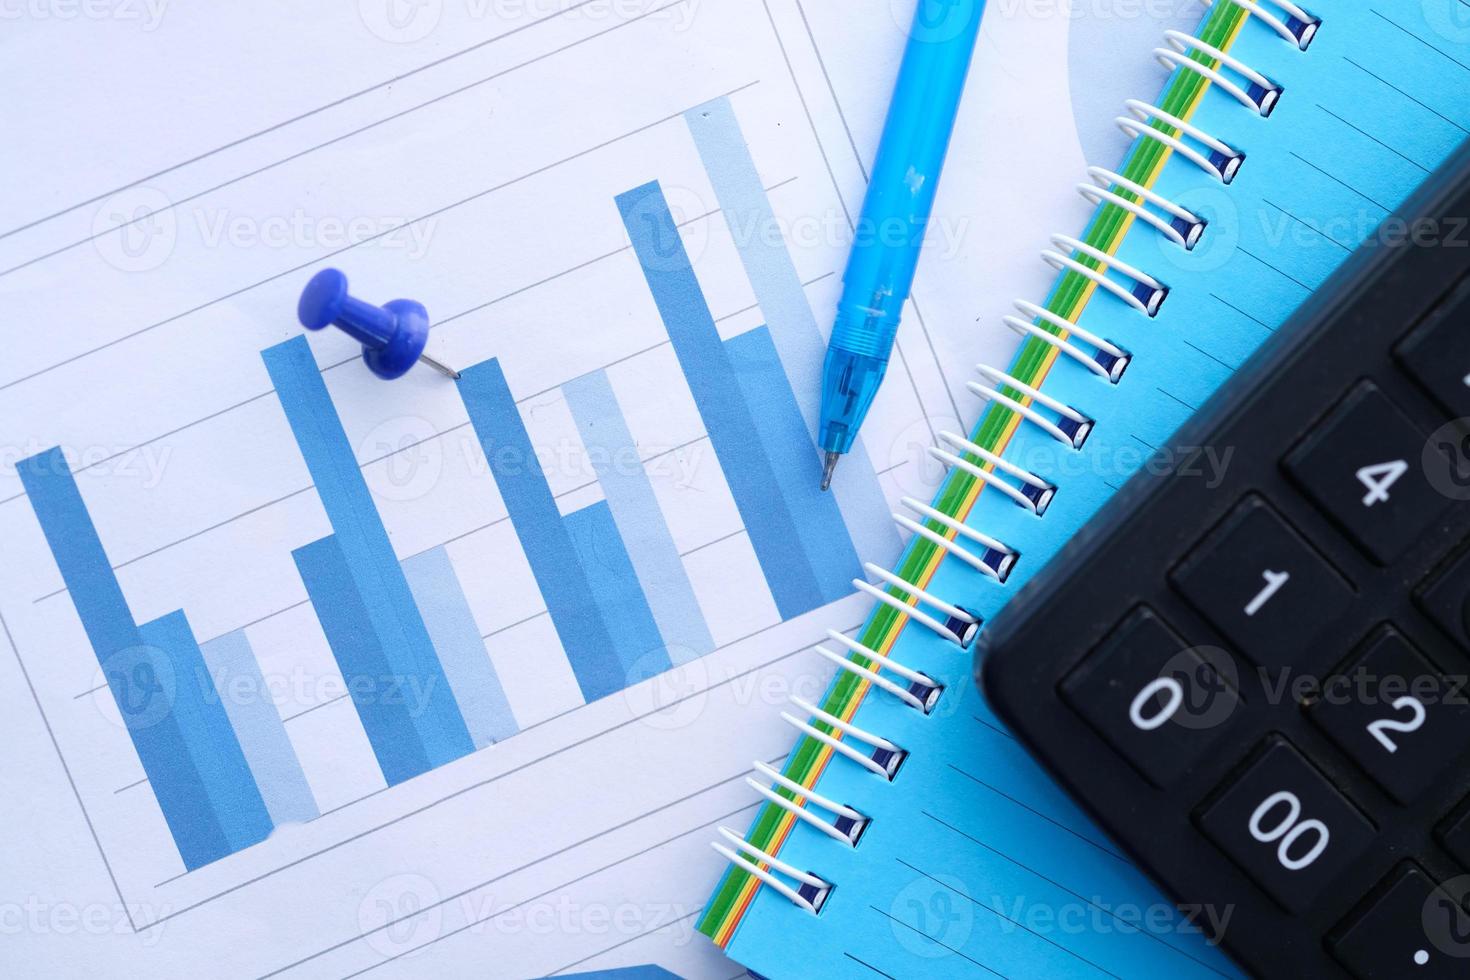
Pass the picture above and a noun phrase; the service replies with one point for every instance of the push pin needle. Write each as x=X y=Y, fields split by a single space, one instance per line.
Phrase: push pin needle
x=392 y=335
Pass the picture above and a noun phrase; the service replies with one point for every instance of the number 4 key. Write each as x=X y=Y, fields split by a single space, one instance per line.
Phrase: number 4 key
x=1379 y=479
x=1356 y=466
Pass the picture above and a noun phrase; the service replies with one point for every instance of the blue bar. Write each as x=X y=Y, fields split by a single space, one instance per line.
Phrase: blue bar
x=135 y=673
x=783 y=302
x=721 y=403
x=377 y=691
x=257 y=723
x=784 y=434
x=360 y=534
x=208 y=735
x=618 y=592
x=543 y=534
x=461 y=648
x=640 y=523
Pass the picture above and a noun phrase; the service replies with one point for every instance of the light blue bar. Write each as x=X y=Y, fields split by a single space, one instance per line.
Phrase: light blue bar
x=461 y=649
x=823 y=535
x=716 y=391
x=784 y=305
x=619 y=594
x=257 y=723
x=364 y=543
x=134 y=672
x=641 y=524
x=379 y=694
x=542 y=532
x=208 y=735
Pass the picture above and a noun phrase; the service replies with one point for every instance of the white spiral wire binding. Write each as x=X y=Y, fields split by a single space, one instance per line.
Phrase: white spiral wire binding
x=1061 y=261
x=1008 y=555
x=1137 y=125
x=1100 y=190
x=1027 y=328
x=801 y=812
x=917 y=678
x=999 y=462
x=997 y=378
x=878 y=680
x=912 y=609
x=922 y=681
x=1311 y=23
x=1044 y=491
x=896 y=754
x=1176 y=55
x=791 y=894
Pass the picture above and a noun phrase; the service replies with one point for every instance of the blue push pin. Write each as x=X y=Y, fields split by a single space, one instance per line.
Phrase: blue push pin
x=392 y=335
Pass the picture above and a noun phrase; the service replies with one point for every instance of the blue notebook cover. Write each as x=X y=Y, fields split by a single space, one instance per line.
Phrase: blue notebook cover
x=971 y=862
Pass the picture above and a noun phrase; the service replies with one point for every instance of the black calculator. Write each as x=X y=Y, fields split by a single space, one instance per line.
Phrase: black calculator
x=1259 y=682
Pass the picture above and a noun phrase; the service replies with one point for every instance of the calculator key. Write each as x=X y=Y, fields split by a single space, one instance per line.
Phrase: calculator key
x=1156 y=700
x=1265 y=588
x=1412 y=928
x=1396 y=716
x=1454 y=834
x=1365 y=467
x=1289 y=828
x=1437 y=354
x=1445 y=596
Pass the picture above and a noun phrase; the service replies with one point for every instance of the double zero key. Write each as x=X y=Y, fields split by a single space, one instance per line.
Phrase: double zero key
x=1287 y=827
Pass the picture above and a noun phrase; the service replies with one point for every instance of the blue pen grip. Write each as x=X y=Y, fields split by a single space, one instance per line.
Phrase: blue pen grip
x=849 y=384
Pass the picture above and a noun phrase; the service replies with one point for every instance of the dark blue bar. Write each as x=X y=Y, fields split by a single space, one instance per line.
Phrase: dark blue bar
x=138 y=675
x=795 y=458
x=619 y=594
x=371 y=562
x=238 y=806
x=639 y=518
x=717 y=393
x=377 y=693
x=543 y=533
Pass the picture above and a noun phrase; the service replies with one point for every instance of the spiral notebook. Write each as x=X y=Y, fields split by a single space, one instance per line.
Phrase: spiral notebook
x=907 y=832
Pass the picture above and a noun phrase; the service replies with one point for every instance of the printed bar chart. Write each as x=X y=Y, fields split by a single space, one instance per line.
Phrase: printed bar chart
x=544 y=536
x=208 y=735
x=727 y=418
x=623 y=600
x=372 y=569
x=257 y=724
x=753 y=420
x=452 y=627
x=387 y=715
x=635 y=511
x=470 y=687
x=157 y=678
x=794 y=331
x=618 y=592
x=783 y=435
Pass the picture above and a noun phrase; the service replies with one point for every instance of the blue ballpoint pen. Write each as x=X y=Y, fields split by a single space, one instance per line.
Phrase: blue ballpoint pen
x=890 y=234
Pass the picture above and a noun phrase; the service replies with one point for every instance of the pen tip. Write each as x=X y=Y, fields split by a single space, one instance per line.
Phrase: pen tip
x=827 y=467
